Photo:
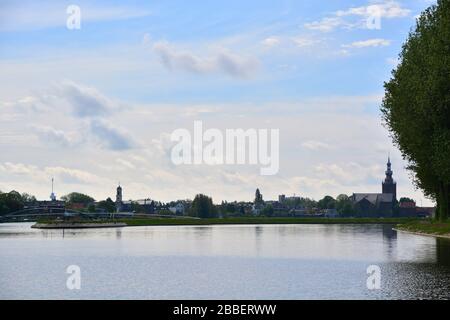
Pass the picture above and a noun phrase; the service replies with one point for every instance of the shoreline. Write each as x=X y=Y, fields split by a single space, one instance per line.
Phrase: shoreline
x=140 y=222
x=259 y=221
x=77 y=225
x=418 y=233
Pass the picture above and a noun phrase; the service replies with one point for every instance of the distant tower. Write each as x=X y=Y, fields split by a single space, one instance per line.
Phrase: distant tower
x=389 y=185
x=52 y=195
x=119 y=198
x=258 y=197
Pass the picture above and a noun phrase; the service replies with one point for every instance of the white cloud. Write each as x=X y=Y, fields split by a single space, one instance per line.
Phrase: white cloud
x=387 y=9
x=315 y=145
x=84 y=101
x=51 y=136
x=303 y=42
x=126 y=163
x=80 y=109
x=357 y=17
x=326 y=24
x=111 y=137
x=271 y=42
x=71 y=176
x=18 y=168
x=40 y=174
x=221 y=61
x=26 y=15
x=368 y=43
x=352 y=173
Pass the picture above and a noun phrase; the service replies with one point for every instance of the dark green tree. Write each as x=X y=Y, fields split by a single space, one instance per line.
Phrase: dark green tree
x=136 y=207
x=203 y=207
x=416 y=106
x=267 y=211
x=10 y=202
x=344 y=206
x=108 y=205
x=28 y=198
x=327 y=202
x=76 y=197
x=405 y=199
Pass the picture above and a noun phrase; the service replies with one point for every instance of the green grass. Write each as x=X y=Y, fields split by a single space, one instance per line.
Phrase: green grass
x=427 y=226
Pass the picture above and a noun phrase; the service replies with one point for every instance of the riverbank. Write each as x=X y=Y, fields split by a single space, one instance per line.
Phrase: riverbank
x=426 y=228
x=59 y=225
x=260 y=220
x=188 y=221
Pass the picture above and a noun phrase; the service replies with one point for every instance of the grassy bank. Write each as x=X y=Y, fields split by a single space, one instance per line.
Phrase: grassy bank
x=426 y=227
x=260 y=220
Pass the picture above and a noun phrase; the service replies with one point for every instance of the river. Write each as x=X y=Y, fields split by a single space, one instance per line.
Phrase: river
x=222 y=262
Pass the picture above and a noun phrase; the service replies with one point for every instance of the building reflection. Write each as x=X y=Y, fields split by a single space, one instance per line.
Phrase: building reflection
x=389 y=239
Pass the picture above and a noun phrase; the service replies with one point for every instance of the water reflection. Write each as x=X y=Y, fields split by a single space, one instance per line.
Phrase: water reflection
x=226 y=261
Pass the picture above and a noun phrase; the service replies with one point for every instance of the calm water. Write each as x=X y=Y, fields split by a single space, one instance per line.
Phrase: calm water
x=222 y=262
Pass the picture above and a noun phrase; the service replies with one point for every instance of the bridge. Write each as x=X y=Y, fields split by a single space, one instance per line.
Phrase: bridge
x=40 y=212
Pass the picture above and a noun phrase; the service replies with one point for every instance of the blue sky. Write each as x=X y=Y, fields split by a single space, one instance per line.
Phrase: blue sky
x=311 y=68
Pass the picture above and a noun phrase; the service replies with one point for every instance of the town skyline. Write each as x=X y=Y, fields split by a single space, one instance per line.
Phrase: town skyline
x=386 y=188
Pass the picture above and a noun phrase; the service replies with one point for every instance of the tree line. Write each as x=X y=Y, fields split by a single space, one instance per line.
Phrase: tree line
x=416 y=105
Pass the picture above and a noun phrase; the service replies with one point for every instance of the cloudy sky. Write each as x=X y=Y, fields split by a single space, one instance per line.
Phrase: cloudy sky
x=97 y=105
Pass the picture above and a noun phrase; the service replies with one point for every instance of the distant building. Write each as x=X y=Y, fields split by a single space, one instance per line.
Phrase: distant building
x=119 y=202
x=373 y=204
x=146 y=206
x=428 y=212
x=378 y=204
x=258 y=197
x=258 y=204
x=331 y=213
x=178 y=208
x=407 y=209
x=389 y=185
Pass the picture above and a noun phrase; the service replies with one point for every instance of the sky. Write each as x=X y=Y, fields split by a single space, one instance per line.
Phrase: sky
x=96 y=106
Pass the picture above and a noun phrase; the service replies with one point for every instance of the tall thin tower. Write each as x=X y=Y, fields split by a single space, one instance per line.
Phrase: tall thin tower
x=52 y=195
x=119 y=198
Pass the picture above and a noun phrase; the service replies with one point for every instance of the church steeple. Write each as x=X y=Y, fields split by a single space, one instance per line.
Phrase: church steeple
x=389 y=185
x=389 y=171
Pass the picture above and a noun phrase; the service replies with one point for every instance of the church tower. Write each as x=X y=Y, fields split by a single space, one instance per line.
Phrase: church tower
x=389 y=185
x=119 y=198
x=258 y=197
